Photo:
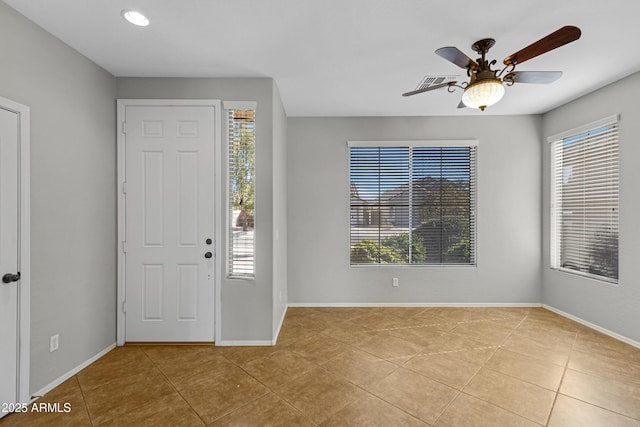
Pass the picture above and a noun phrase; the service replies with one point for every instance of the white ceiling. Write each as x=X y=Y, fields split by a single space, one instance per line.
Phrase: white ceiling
x=350 y=57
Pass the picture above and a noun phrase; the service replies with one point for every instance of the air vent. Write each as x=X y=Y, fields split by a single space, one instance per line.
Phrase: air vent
x=433 y=80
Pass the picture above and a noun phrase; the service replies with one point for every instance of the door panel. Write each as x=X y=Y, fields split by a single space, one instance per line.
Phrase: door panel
x=9 y=229
x=169 y=214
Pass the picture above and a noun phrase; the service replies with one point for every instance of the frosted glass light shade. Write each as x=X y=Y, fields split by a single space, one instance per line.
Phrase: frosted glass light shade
x=483 y=93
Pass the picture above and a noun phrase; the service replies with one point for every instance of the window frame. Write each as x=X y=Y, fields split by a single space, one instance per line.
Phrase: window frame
x=473 y=213
x=555 y=243
x=229 y=106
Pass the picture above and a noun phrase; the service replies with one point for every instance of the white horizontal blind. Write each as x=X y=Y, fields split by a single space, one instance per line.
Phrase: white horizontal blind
x=412 y=204
x=241 y=191
x=584 y=204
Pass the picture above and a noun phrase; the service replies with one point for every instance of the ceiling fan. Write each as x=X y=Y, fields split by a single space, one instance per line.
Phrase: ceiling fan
x=486 y=86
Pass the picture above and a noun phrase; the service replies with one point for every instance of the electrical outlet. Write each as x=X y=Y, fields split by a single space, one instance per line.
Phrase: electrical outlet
x=395 y=283
x=53 y=343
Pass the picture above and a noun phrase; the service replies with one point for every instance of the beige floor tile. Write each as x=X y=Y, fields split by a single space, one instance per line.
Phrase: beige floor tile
x=568 y=412
x=422 y=335
x=371 y=412
x=468 y=411
x=346 y=335
x=620 y=368
x=547 y=317
x=534 y=325
x=319 y=394
x=171 y=410
x=525 y=399
x=416 y=394
x=121 y=362
x=489 y=332
x=535 y=347
x=614 y=395
x=168 y=354
x=242 y=355
x=334 y=360
x=455 y=314
x=70 y=409
x=429 y=316
x=47 y=419
x=318 y=348
x=291 y=332
x=526 y=368
x=445 y=368
x=278 y=368
x=377 y=321
x=269 y=410
x=452 y=342
x=590 y=341
x=214 y=397
x=341 y=314
x=179 y=363
x=477 y=355
x=359 y=367
x=389 y=347
x=124 y=394
x=313 y=322
x=490 y=313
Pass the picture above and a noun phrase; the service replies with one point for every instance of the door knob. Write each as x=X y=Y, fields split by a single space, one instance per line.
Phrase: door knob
x=8 y=278
x=208 y=255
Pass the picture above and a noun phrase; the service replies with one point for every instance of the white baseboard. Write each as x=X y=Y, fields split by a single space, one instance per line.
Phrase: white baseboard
x=412 y=304
x=593 y=326
x=55 y=383
x=277 y=331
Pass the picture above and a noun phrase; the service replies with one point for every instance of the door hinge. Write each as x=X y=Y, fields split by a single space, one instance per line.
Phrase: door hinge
x=124 y=187
x=124 y=247
x=124 y=128
x=124 y=306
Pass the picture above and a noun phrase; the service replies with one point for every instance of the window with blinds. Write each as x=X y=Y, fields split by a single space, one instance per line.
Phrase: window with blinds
x=241 y=191
x=584 y=200
x=412 y=203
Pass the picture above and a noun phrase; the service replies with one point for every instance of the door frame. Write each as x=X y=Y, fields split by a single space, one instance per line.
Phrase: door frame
x=121 y=150
x=24 y=246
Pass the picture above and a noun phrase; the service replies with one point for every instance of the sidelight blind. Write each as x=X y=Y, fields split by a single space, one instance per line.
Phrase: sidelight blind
x=241 y=191
x=584 y=200
x=412 y=203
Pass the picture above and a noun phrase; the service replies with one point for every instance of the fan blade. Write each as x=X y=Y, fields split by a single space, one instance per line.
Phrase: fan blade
x=426 y=89
x=553 y=41
x=533 y=76
x=461 y=105
x=455 y=55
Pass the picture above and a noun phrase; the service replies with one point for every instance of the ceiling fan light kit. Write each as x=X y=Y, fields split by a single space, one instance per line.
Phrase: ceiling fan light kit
x=486 y=86
x=483 y=93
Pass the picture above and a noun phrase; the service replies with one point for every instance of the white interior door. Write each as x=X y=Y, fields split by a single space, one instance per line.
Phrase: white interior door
x=9 y=233
x=169 y=223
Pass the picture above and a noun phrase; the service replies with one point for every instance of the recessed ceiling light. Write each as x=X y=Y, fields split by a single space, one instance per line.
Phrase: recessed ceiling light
x=136 y=18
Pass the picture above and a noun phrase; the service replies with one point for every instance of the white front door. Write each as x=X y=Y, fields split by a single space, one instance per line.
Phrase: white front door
x=9 y=234
x=169 y=223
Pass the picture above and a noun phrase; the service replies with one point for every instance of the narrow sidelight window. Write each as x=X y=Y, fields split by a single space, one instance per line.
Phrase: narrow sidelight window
x=241 y=192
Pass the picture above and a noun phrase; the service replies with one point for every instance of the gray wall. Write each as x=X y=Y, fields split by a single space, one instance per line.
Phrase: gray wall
x=614 y=307
x=73 y=197
x=279 y=210
x=509 y=226
x=247 y=305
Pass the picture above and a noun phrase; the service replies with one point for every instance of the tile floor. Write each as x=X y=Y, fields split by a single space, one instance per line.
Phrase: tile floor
x=368 y=367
